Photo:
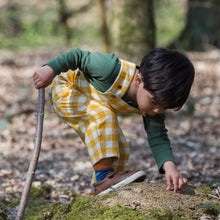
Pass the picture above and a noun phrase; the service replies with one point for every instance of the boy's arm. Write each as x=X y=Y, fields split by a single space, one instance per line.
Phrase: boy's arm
x=162 y=152
x=158 y=139
x=97 y=65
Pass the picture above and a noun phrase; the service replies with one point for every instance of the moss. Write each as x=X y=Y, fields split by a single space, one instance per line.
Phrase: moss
x=40 y=192
x=34 y=208
x=206 y=190
x=168 y=214
x=211 y=208
x=119 y=212
x=65 y=192
x=55 y=211
x=38 y=199
x=108 y=195
x=84 y=207
x=165 y=214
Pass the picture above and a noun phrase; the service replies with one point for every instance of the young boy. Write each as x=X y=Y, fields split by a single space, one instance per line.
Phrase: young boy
x=91 y=88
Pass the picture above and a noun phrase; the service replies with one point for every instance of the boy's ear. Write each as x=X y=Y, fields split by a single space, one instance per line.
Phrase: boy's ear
x=138 y=79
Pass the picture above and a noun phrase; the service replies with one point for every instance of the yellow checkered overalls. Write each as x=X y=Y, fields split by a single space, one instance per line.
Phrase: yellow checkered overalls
x=93 y=114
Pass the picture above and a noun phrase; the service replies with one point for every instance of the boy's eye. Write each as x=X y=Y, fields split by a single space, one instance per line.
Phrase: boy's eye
x=153 y=102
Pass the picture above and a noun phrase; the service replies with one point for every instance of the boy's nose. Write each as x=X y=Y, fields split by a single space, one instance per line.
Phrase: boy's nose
x=158 y=110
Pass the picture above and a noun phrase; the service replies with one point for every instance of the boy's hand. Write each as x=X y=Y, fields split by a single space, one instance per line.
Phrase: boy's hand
x=173 y=177
x=43 y=77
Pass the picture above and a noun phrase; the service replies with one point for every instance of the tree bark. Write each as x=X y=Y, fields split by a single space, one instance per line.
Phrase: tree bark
x=132 y=27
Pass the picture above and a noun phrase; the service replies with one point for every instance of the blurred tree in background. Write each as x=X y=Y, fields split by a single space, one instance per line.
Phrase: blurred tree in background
x=11 y=24
x=65 y=13
x=130 y=27
x=103 y=25
x=202 y=26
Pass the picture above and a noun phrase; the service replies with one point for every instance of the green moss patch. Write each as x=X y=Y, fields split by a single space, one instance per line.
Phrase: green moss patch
x=84 y=207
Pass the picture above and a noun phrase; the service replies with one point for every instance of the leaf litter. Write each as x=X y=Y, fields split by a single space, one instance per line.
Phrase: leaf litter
x=64 y=161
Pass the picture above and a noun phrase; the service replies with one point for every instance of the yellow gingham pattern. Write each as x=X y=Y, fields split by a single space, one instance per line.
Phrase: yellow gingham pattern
x=93 y=114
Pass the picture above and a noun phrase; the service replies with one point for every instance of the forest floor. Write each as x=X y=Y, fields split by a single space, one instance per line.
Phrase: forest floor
x=194 y=133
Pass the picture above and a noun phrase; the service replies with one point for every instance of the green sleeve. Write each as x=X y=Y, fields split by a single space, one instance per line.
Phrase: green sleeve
x=97 y=64
x=99 y=69
x=158 y=139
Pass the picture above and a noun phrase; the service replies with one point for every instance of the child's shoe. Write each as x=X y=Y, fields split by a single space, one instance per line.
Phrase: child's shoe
x=115 y=180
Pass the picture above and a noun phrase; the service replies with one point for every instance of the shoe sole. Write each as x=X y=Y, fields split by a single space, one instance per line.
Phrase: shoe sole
x=136 y=177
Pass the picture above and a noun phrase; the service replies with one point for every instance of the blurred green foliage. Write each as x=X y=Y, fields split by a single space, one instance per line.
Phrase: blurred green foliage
x=26 y=24
x=24 y=28
x=170 y=20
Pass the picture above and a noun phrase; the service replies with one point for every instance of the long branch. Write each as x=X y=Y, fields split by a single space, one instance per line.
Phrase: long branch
x=35 y=156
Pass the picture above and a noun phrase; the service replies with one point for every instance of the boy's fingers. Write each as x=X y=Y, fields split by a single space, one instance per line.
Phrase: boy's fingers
x=36 y=80
x=181 y=183
x=176 y=185
x=168 y=183
x=185 y=181
x=38 y=84
x=35 y=76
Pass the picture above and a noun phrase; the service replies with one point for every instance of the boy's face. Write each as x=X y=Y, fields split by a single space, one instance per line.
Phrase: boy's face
x=145 y=100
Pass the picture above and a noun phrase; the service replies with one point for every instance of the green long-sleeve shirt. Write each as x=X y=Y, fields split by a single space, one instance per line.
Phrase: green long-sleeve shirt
x=101 y=70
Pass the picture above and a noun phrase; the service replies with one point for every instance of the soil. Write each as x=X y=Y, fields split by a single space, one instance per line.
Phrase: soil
x=153 y=195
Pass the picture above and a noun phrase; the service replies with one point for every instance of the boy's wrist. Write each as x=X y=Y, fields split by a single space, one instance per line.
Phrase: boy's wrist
x=169 y=165
x=52 y=68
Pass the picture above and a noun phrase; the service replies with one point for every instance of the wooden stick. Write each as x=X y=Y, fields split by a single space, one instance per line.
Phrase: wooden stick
x=35 y=156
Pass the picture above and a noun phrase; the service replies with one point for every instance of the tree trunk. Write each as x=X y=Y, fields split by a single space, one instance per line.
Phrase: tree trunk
x=64 y=15
x=202 y=26
x=132 y=27
x=103 y=25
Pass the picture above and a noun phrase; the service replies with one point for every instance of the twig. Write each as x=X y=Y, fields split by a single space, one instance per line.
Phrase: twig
x=35 y=156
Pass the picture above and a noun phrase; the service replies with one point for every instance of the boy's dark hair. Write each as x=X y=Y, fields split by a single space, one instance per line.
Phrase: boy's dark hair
x=168 y=75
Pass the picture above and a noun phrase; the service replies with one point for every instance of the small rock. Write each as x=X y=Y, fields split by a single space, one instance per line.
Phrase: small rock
x=74 y=178
x=204 y=217
x=36 y=183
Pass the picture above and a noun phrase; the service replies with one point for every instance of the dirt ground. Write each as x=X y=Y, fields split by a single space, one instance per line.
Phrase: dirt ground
x=64 y=162
x=152 y=195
